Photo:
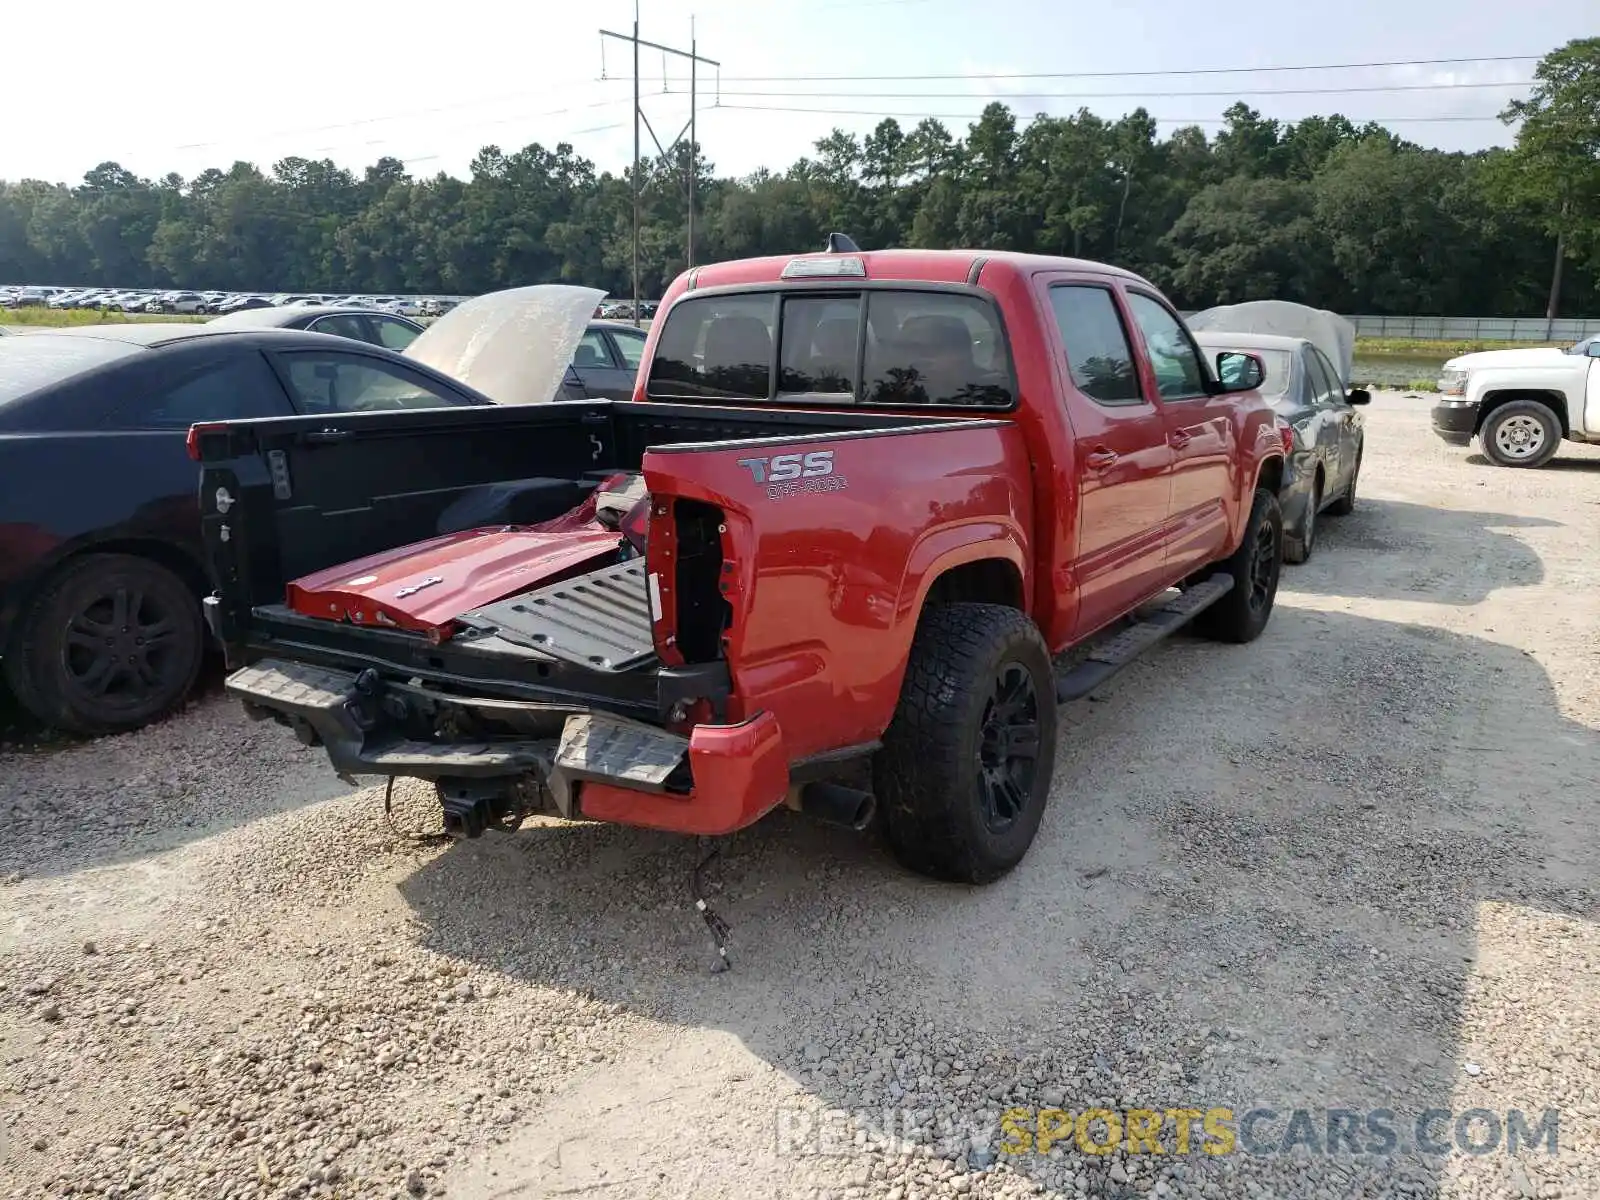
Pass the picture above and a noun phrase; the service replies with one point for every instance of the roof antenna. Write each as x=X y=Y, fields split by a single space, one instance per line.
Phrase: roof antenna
x=840 y=243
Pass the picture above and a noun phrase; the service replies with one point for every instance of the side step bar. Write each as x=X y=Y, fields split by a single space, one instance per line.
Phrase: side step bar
x=1110 y=656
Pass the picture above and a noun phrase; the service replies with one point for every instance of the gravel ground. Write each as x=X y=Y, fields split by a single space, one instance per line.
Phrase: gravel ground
x=1351 y=866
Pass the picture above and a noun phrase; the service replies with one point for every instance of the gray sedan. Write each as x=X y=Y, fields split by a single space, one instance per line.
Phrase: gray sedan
x=1328 y=436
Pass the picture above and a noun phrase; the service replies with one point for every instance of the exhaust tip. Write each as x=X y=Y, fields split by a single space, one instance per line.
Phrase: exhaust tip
x=836 y=804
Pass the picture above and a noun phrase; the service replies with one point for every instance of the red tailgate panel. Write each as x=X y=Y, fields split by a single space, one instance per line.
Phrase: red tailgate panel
x=425 y=586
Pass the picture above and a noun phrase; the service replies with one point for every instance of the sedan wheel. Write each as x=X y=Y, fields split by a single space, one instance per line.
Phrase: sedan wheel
x=114 y=642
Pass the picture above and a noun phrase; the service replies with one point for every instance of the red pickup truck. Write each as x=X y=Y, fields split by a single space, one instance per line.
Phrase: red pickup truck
x=825 y=556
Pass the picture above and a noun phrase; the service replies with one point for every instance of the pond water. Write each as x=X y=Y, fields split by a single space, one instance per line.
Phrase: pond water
x=1397 y=370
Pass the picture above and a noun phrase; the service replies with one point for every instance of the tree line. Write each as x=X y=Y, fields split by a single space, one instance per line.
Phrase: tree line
x=1321 y=210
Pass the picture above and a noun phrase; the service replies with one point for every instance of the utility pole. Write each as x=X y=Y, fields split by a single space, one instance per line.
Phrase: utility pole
x=665 y=151
x=694 y=64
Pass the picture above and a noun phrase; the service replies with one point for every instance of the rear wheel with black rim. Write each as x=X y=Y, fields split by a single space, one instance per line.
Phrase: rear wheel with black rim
x=966 y=764
x=1255 y=566
x=112 y=642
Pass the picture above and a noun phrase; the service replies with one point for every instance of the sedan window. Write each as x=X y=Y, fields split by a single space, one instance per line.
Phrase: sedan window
x=342 y=325
x=631 y=347
x=232 y=391
x=334 y=383
x=1326 y=380
x=395 y=335
x=592 y=351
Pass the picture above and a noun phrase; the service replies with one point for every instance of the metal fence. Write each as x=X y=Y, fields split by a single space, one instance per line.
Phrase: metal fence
x=1473 y=329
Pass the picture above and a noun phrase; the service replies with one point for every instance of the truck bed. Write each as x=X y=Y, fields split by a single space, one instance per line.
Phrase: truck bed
x=759 y=637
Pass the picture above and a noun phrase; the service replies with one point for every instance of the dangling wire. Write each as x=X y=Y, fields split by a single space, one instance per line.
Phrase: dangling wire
x=718 y=927
x=663 y=74
x=602 y=60
x=388 y=814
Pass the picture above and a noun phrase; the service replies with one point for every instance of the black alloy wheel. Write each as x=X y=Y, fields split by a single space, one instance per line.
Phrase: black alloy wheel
x=1008 y=746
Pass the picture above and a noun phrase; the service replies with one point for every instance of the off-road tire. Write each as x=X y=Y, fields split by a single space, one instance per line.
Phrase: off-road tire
x=1242 y=614
x=42 y=666
x=1521 y=410
x=1299 y=548
x=931 y=776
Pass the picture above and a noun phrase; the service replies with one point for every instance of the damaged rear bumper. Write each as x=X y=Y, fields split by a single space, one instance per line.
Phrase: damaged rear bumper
x=601 y=767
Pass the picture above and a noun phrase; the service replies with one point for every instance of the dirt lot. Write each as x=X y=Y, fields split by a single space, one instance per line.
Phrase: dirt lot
x=1352 y=866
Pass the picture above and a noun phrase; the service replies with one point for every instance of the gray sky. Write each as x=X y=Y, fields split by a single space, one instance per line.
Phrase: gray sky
x=185 y=85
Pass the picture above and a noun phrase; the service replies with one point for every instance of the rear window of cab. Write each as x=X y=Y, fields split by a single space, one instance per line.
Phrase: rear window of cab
x=892 y=347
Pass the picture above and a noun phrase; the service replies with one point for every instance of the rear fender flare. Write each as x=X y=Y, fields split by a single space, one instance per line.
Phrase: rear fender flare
x=942 y=550
x=939 y=551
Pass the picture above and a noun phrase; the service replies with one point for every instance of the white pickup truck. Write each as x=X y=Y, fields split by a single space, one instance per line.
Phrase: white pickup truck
x=1521 y=403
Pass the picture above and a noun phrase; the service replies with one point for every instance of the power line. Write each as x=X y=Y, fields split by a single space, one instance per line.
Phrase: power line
x=878 y=112
x=982 y=75
x=1316 y=91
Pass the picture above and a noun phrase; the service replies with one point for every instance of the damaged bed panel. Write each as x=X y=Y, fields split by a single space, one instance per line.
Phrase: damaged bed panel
x=601 y=620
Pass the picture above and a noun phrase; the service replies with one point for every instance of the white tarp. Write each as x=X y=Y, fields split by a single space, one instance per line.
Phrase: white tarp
x=1327 y=331
x=513 y=346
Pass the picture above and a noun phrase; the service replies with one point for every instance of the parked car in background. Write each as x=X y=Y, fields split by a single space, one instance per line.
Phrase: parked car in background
x=1521 y=404
x=183 y=303
x=606 y=363
x=101 y=571
x=376 y=328
x=239 y=303
x=1325 y=463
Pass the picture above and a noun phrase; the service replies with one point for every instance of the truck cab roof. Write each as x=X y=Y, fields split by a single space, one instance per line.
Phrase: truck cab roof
x=927 y=266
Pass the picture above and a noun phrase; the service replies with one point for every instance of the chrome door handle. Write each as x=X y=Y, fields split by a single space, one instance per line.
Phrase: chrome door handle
x=1099 y=460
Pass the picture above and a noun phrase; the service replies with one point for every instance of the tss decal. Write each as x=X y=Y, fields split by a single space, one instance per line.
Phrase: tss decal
x=782 y=467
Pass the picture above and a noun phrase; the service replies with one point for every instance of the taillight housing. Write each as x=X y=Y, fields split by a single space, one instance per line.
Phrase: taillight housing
x=192 y=442
x=1286 y=435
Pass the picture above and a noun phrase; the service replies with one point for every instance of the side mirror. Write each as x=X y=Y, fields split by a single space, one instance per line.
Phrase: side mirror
x=1239 y=372
x=1359 y=396
x=1594 y=349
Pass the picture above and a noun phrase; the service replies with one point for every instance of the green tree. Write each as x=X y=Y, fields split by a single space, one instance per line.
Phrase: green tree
x=1320 y=209
x=1556 y=165
x=1249 y=239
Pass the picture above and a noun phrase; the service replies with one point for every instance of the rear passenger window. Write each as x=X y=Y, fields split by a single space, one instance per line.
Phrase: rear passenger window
x=934 y=348
x=233 y=391
x=717 y=347
x=1099 y=355
x=820 y=335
